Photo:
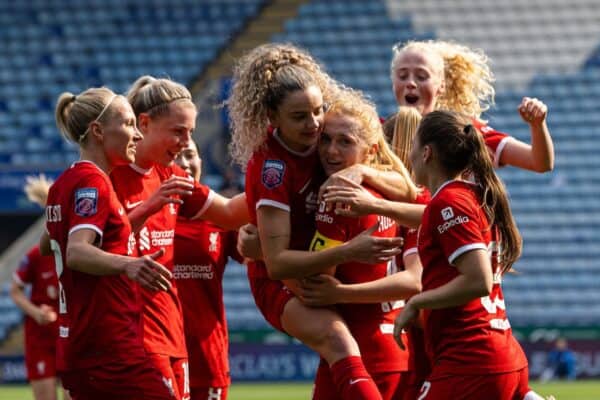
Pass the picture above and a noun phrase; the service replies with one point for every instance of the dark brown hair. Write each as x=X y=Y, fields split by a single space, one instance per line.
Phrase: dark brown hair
x=460 y=148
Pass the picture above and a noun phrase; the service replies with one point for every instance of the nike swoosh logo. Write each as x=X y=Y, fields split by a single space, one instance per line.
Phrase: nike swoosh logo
x=46 y=275
x=129 y=205
x=353 y=381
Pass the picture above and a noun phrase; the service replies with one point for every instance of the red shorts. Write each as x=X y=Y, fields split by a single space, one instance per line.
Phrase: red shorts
x=390 y=384
x=503 y=386
x=116 y=382
x=209 y=393
x=40 y=362
x=175 y=372
x=413 y=384
x=270 y=297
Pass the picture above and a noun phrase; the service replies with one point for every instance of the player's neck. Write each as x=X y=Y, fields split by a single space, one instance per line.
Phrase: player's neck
x=97 y=158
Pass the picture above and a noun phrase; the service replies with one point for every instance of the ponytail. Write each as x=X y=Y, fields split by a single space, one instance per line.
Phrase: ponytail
x=460 y=149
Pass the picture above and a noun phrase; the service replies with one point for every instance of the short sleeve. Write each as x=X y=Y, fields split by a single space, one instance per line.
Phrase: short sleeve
x=199 y=201
x=457 y=224
x=494 y=140
x=272 y=180
x=25 y=273
x=90 y=206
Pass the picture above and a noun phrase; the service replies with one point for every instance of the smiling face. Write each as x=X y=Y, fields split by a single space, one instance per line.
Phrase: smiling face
x=340 y=145
x=120 y=133
x=418 y=79
x=189 y=160
x=299 y=118
x=165 y=136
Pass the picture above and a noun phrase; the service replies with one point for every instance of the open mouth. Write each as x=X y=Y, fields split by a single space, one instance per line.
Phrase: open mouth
x=411 y=99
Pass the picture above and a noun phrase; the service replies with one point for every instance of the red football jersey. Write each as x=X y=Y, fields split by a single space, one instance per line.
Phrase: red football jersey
x=474 y=338
x=372 y=325
x=280 y=177
x=163 y=320
x=99 y=316
x=494 y=140
x=201 y=253
x=39 y=272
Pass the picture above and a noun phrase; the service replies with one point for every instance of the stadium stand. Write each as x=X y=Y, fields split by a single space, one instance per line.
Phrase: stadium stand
x=52 y=46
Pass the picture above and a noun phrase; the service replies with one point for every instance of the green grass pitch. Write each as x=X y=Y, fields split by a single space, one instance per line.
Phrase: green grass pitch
x=579 y=390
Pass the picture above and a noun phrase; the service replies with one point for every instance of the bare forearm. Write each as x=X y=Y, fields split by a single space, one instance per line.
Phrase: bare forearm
x=457 y=292
x=18 y=296
x=407 y=214
x=393 y=185
x=294 y=264
x=229 y=214
x=398 y=286
x=87 y=258
x=542 y=148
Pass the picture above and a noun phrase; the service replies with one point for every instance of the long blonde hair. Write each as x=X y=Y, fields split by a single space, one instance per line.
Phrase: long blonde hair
x=467 y=75
x=352 y=103
x=261 y=79
x=400 y=130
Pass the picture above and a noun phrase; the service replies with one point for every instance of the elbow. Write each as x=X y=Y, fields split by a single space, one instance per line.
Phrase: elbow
x=418 y=286
x=545 y=167
x=484 y=288
x=275 y=272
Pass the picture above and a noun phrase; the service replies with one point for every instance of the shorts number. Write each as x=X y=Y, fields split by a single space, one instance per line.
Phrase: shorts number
x=424 y=390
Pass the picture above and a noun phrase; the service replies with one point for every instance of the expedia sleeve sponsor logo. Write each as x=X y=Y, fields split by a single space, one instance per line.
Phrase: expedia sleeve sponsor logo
x=192 y=271
x=461 y=219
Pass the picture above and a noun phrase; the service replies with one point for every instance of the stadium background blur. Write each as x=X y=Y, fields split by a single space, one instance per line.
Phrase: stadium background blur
x=548 y=49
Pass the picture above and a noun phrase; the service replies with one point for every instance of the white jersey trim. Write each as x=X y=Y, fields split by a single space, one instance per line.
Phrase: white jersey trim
x=86 y=226
x=499 y=150
x=18 y=279
x=273 y=203
x=463 y=249
x=209 y=200
x=141 y=170
x=412 y=250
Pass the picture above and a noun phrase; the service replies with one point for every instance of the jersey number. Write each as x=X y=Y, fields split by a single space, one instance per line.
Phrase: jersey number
x=58 y=261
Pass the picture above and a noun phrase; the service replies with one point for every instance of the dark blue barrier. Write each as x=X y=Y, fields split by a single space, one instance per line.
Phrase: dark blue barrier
x=260 y=362
x=12 y=197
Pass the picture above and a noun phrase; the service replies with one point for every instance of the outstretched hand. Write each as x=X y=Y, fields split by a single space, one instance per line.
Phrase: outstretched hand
x=406 y=317
x=149 y=273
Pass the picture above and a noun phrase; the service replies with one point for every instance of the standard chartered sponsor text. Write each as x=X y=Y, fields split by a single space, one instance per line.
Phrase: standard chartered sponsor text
x=193 y=271
x=162 y=238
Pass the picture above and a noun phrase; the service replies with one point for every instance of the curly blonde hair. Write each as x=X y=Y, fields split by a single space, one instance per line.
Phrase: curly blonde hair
x=352 y=103
x=467 y=75
x=261 y=79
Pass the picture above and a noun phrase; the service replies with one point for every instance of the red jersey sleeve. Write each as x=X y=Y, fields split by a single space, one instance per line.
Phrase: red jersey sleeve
x=201 y=198
x=273 y=183
x=494 y=140
x=457 y=224
x=90 y=210
x=25 y=273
